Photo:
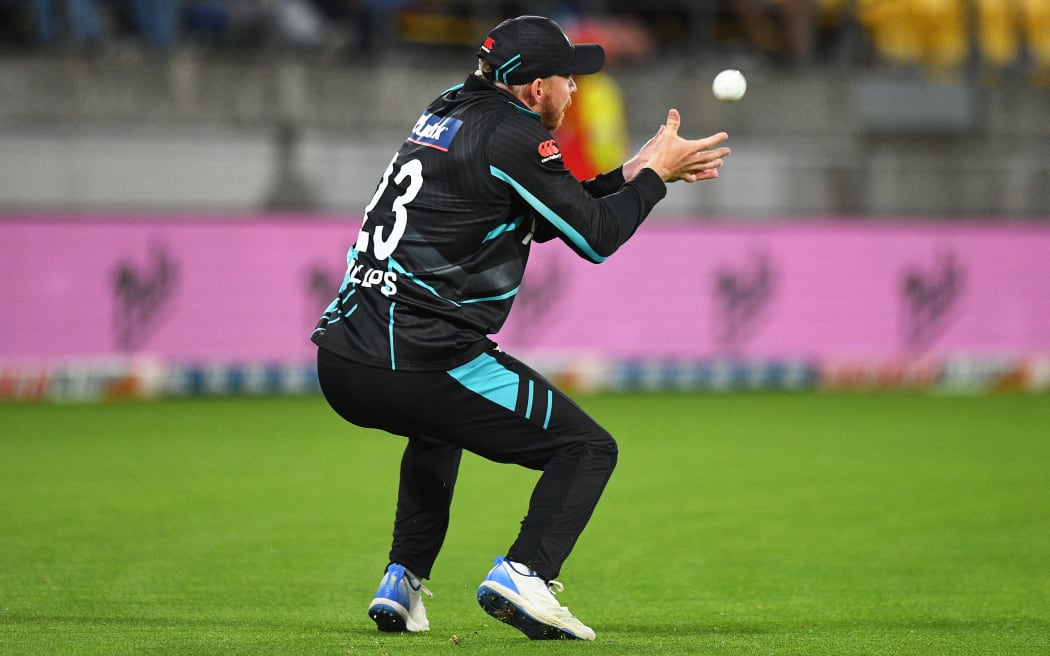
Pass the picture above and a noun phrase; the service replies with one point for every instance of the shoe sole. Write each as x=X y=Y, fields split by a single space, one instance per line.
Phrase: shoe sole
x=387 y=619
x=504 y=610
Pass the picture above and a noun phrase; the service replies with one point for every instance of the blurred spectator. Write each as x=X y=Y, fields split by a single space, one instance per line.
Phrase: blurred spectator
x=296 y=24
x=781 y=29
x=157 y=21
x=593 y=135
x=377 y=22
x=89 y=23
x=73 y=21
x=942 y=38
x=158 y=24
x=270 y=24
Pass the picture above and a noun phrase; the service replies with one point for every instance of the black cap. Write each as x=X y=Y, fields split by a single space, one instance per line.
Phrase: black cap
x=527 y=47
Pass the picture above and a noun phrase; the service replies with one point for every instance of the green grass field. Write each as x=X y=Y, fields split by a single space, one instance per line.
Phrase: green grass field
x=735 y=524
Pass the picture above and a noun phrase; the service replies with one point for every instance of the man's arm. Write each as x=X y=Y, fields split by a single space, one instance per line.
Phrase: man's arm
x=565 y=208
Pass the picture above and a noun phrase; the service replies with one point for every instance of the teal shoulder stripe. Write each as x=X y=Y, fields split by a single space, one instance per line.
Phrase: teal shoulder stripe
x=561 y=224
x=485 y=376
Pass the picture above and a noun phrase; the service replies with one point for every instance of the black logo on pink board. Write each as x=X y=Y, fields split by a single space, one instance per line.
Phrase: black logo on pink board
x=742 y=294
x=535 y=305
x=322 y=286
x=143 y=289
x=929 y=296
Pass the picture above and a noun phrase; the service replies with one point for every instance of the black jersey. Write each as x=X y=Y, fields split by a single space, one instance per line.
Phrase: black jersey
x=445 y=239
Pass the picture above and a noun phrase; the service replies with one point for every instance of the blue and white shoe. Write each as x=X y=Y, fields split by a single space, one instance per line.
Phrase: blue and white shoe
x=398 y=605
x=516 y=595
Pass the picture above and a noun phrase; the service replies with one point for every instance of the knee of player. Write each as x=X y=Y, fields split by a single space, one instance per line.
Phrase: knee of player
x=604 y=446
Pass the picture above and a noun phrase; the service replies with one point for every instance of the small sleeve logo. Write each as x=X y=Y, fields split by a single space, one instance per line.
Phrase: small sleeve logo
x=549 y=150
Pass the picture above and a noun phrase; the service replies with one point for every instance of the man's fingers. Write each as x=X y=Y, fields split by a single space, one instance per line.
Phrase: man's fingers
x=713 y=140
x=710 y=155
x=676 y=158
x=674 y=119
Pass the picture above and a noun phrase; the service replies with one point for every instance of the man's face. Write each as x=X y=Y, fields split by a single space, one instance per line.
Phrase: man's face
x=557 y=97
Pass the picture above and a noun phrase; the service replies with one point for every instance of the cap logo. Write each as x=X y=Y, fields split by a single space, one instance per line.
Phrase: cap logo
x=489 y=44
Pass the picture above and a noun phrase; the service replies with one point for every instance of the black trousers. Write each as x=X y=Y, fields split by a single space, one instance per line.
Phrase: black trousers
x=498 y=408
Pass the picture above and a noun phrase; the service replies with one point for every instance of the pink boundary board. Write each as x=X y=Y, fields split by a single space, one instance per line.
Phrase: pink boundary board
x=251 y=288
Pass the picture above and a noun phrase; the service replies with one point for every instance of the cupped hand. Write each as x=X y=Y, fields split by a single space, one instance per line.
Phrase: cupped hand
x=675 y=158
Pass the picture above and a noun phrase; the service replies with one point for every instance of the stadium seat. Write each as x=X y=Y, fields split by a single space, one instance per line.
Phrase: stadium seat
x=997 y=34
x=943 y=26
x=891 y=29
x=931 y=33
x=1036 y=22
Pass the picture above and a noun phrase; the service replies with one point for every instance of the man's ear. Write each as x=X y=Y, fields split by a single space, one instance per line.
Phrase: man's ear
x=534 y=91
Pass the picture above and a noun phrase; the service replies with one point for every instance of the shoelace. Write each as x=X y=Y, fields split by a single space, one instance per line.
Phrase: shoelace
x=555 y=587
x=418 y=585
x=420 y=588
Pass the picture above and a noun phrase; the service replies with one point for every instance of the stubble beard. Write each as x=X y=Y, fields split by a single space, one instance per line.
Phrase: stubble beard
x=550 y=115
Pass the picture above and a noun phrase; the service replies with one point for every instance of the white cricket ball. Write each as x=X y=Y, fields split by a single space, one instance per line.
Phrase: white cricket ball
x=729 y=85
